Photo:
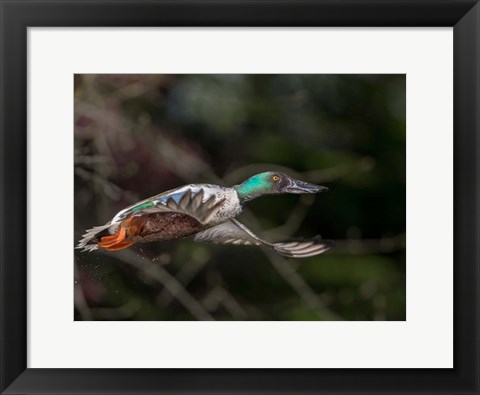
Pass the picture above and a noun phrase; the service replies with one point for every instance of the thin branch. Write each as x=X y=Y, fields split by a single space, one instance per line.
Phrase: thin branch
x=308 y=295
x=220 y=296
x=186 y=274
x=160 y=275
x=110 y=189
x=233 y=307
x=371 y=246
x=124 y=312
x=334 y=173
x=295 y=219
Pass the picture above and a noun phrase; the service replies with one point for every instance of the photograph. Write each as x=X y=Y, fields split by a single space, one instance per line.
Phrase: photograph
x=239 y=197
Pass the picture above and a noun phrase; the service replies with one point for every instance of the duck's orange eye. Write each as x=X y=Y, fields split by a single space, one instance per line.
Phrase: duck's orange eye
x=275 y=178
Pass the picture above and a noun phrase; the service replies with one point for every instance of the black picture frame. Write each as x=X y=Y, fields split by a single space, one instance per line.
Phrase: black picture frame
x=18 y=15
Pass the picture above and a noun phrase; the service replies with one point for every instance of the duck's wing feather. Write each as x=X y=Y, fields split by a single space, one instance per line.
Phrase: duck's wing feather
x=230 y=232
x=302 y=249
x=234 y=232
x=190 y=202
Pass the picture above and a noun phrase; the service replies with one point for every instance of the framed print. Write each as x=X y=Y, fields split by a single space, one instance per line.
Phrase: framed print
x=260 y=197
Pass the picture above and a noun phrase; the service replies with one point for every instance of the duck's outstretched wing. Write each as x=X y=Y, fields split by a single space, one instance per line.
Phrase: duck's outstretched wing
x=230 y=232
x=192 y=203
x=234 y=232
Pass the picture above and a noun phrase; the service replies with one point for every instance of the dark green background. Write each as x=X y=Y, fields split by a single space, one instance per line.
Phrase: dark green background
x=138 y=135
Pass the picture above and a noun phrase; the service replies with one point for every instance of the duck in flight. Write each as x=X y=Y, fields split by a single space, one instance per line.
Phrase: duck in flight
x=204 y=210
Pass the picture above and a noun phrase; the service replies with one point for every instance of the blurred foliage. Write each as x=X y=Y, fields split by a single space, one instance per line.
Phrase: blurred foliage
x=139 y=135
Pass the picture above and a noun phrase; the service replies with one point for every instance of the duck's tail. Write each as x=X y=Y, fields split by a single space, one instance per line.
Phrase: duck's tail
x=90 y=239
x=109 y=236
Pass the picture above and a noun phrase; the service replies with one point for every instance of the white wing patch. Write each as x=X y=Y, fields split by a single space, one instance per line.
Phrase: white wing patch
x=233 y=232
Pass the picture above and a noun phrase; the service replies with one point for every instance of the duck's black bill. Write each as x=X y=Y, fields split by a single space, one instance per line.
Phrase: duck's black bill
x=297 y=186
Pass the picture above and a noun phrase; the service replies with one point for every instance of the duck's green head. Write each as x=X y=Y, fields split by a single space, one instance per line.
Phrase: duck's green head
x=272 y=182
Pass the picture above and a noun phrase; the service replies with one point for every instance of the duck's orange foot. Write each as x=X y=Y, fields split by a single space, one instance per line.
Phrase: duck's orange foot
x=117 y=241
x=118 y=246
